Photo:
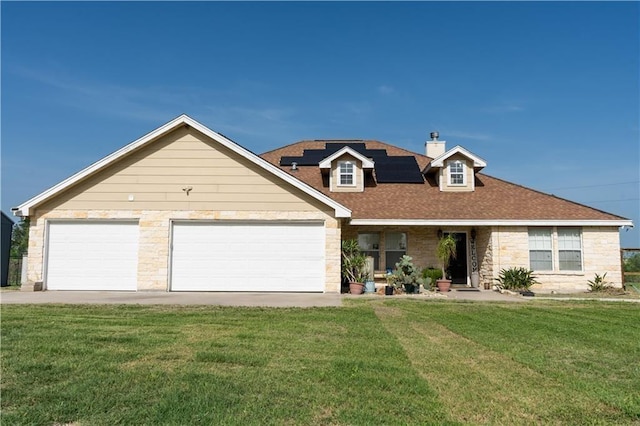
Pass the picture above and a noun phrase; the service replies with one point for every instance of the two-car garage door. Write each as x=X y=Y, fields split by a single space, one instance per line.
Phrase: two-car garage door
x=248 y=256
x=205 y=256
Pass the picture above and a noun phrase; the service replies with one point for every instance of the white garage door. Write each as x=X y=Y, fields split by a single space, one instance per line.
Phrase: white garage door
x=264 y=256
x=92 y=256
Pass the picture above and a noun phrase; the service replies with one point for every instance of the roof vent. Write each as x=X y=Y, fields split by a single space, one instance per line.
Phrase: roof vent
x=434 y=136
x=294 y=166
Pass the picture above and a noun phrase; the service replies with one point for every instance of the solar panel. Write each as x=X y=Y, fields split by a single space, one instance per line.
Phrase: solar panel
x=332 y=147
x=398 y=170
x=389 y=169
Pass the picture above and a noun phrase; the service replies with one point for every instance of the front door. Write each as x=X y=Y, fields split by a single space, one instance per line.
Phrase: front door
x=458 y=266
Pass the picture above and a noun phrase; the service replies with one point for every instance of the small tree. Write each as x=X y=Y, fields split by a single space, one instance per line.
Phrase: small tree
x=20 y=238
x=445 y=251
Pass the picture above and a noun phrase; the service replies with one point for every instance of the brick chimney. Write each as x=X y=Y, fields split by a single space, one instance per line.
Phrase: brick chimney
x=435 y=148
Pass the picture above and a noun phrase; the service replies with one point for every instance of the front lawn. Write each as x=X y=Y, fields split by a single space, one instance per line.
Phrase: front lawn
x=370 y=362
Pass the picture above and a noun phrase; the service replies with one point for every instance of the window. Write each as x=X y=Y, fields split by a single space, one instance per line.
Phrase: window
x=540 y=249
x=370 y=246
x=456 y=173
x=346 y=174
x=566 y=252
x=569 y=249
x=395 y=245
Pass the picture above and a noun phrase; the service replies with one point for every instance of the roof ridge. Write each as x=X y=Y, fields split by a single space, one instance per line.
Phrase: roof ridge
x=284 y=146
x=398 y=147
x=365 y=141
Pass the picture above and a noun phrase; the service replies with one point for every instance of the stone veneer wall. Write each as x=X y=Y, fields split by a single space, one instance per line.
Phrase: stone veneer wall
x=485 y=257
x=422 y=241
x=153 y=255
x=600 y=254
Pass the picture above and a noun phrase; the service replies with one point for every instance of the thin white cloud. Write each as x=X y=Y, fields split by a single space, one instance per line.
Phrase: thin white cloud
x=250 y=121
x=143 y=103
x=222 y=110
x=502 y=108
x=386 y=90
x=454 y=134
x=159 y=104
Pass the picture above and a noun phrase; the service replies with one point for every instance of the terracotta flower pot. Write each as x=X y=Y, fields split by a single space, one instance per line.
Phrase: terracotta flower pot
x=443 y=285
x=356 y=288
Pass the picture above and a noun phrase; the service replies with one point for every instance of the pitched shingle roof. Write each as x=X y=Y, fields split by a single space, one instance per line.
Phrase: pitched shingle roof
x=493 y=199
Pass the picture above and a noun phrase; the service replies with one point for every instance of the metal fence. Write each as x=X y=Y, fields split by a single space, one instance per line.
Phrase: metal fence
x=630 y=260
x=15 y=271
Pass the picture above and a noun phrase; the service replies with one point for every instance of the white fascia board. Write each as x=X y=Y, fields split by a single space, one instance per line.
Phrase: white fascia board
x=24 y=209
x=488 y=222
x=366 y=162
x=477 y=161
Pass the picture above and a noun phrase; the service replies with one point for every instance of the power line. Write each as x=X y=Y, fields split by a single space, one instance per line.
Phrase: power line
x=610 y=201
x=595 y=186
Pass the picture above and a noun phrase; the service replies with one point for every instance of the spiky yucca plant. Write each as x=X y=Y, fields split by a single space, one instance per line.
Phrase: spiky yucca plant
x=516 y=278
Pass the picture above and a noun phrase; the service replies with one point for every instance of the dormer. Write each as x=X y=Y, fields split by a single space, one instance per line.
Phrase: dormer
x=455 y=169
x=346 y=168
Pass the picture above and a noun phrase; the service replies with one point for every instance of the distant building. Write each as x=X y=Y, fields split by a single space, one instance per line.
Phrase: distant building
x=5 y=237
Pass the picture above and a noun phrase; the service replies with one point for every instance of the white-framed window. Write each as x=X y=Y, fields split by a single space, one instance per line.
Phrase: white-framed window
x=370 y=245
x=456 y=173
x=395 y=246
x=346 y=173
x=569 y=249
x=555 y=249
x=540 y=249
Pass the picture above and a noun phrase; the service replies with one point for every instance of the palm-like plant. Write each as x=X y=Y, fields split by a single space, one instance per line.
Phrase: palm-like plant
x=445 y=251
x=353 y=262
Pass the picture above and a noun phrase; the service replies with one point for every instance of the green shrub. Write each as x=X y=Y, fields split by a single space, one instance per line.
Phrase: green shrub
x=430 y=276
x=516 y=278
x=598 y=283
x=406 y=273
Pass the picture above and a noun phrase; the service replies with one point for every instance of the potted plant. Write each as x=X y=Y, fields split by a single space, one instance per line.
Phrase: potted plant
x=407 y=275
x=445 y=251
x=390 y=288
x=354 y=266
x=430 y=275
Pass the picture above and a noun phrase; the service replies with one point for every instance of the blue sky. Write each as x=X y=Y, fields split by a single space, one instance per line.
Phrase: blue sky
x=546 y=92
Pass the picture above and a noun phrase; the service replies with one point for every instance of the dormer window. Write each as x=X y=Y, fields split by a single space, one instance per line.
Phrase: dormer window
x=456 y=173
x=346 y=173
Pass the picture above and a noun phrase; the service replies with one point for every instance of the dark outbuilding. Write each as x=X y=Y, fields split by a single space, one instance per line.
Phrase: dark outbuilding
x=5 y=237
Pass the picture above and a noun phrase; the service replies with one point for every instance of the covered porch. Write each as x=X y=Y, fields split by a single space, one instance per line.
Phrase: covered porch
x=386 y=244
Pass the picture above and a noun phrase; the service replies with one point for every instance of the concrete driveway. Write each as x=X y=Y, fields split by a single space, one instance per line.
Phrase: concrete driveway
x=303 y=300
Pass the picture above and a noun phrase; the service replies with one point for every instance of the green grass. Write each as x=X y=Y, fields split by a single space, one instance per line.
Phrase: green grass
x=370 y=362
x=616 y=293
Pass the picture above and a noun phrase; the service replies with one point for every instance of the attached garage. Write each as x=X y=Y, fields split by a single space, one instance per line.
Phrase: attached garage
x=248 y=256
x=183 y=208
x=91 y=255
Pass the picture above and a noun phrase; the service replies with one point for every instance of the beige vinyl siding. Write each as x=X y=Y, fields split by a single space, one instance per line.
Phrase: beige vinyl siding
x=358 y=175
x=469 y=175
x=156 y=175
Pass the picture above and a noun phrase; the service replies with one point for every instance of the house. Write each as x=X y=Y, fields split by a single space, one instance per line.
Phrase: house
x=6 y=228
x=186 y=209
